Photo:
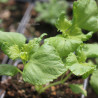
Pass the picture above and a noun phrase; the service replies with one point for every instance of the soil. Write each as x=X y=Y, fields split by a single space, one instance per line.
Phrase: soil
x=15 y=87
x=11 y=14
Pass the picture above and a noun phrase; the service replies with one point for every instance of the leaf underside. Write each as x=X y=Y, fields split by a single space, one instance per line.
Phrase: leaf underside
x=78 y=88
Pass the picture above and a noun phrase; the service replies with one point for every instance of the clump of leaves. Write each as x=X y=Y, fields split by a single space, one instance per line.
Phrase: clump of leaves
x=50 y=11
x=59 y=54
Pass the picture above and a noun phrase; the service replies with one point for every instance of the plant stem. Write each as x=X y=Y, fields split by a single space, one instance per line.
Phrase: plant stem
x=65 y=79
x=63 y=76
x=20 y=71
x=56 y=83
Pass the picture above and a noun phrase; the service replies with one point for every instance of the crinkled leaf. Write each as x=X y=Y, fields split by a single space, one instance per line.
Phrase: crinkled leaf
x=81 y=56
x=63 y=46
x=13 y=52
x=81 y=69
x=70 y=60
x=94 y=81
x=63 y=24
x=31 y=47
x=10 y=42
x=19 y=49
x=76 y=33
x=90 y=50
x=77 y=67
x=44 y=66
x=86 y=14
x=71 y=31
x=78 y=88
x=11 y=38
x=9 y=70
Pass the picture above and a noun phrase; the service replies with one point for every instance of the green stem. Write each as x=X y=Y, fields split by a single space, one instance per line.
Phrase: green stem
x=56 y=83
x=63 y=76
x=43 y=89
x=65 y=79
x=20 y=71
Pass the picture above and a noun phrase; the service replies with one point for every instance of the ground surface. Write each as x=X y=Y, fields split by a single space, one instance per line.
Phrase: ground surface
x=11 y=13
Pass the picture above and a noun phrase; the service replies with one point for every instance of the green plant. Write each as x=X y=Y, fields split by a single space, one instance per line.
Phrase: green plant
x=59 y=54
x=3 y=1
x=1 y=28
x=50 y=11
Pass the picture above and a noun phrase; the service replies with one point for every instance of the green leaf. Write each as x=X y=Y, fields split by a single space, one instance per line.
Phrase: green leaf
x=30 y=48
x=50 y=11
x=63 y=24
x=13 y=45
x=81 y=56
x=90 y=50
x=86 y=14
x=96 y=60
x=71 y=59
x=71 y=31
x=63 y=45
x=94 y=81
x=10 y=41
x=78 y=68
x=12 y=38
x=13 y=52
x=9 y=70
x=76 y=33
x=88 y=73
x=44 y=66
x=81 y=69
x=3 y=1
x=78 y=88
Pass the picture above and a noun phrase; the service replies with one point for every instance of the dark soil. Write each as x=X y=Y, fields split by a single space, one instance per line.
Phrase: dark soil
x=15 y=87
x=11 y=14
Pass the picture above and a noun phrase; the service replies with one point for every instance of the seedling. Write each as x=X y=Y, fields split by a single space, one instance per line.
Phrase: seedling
x=50 y=11
x=59 y=54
